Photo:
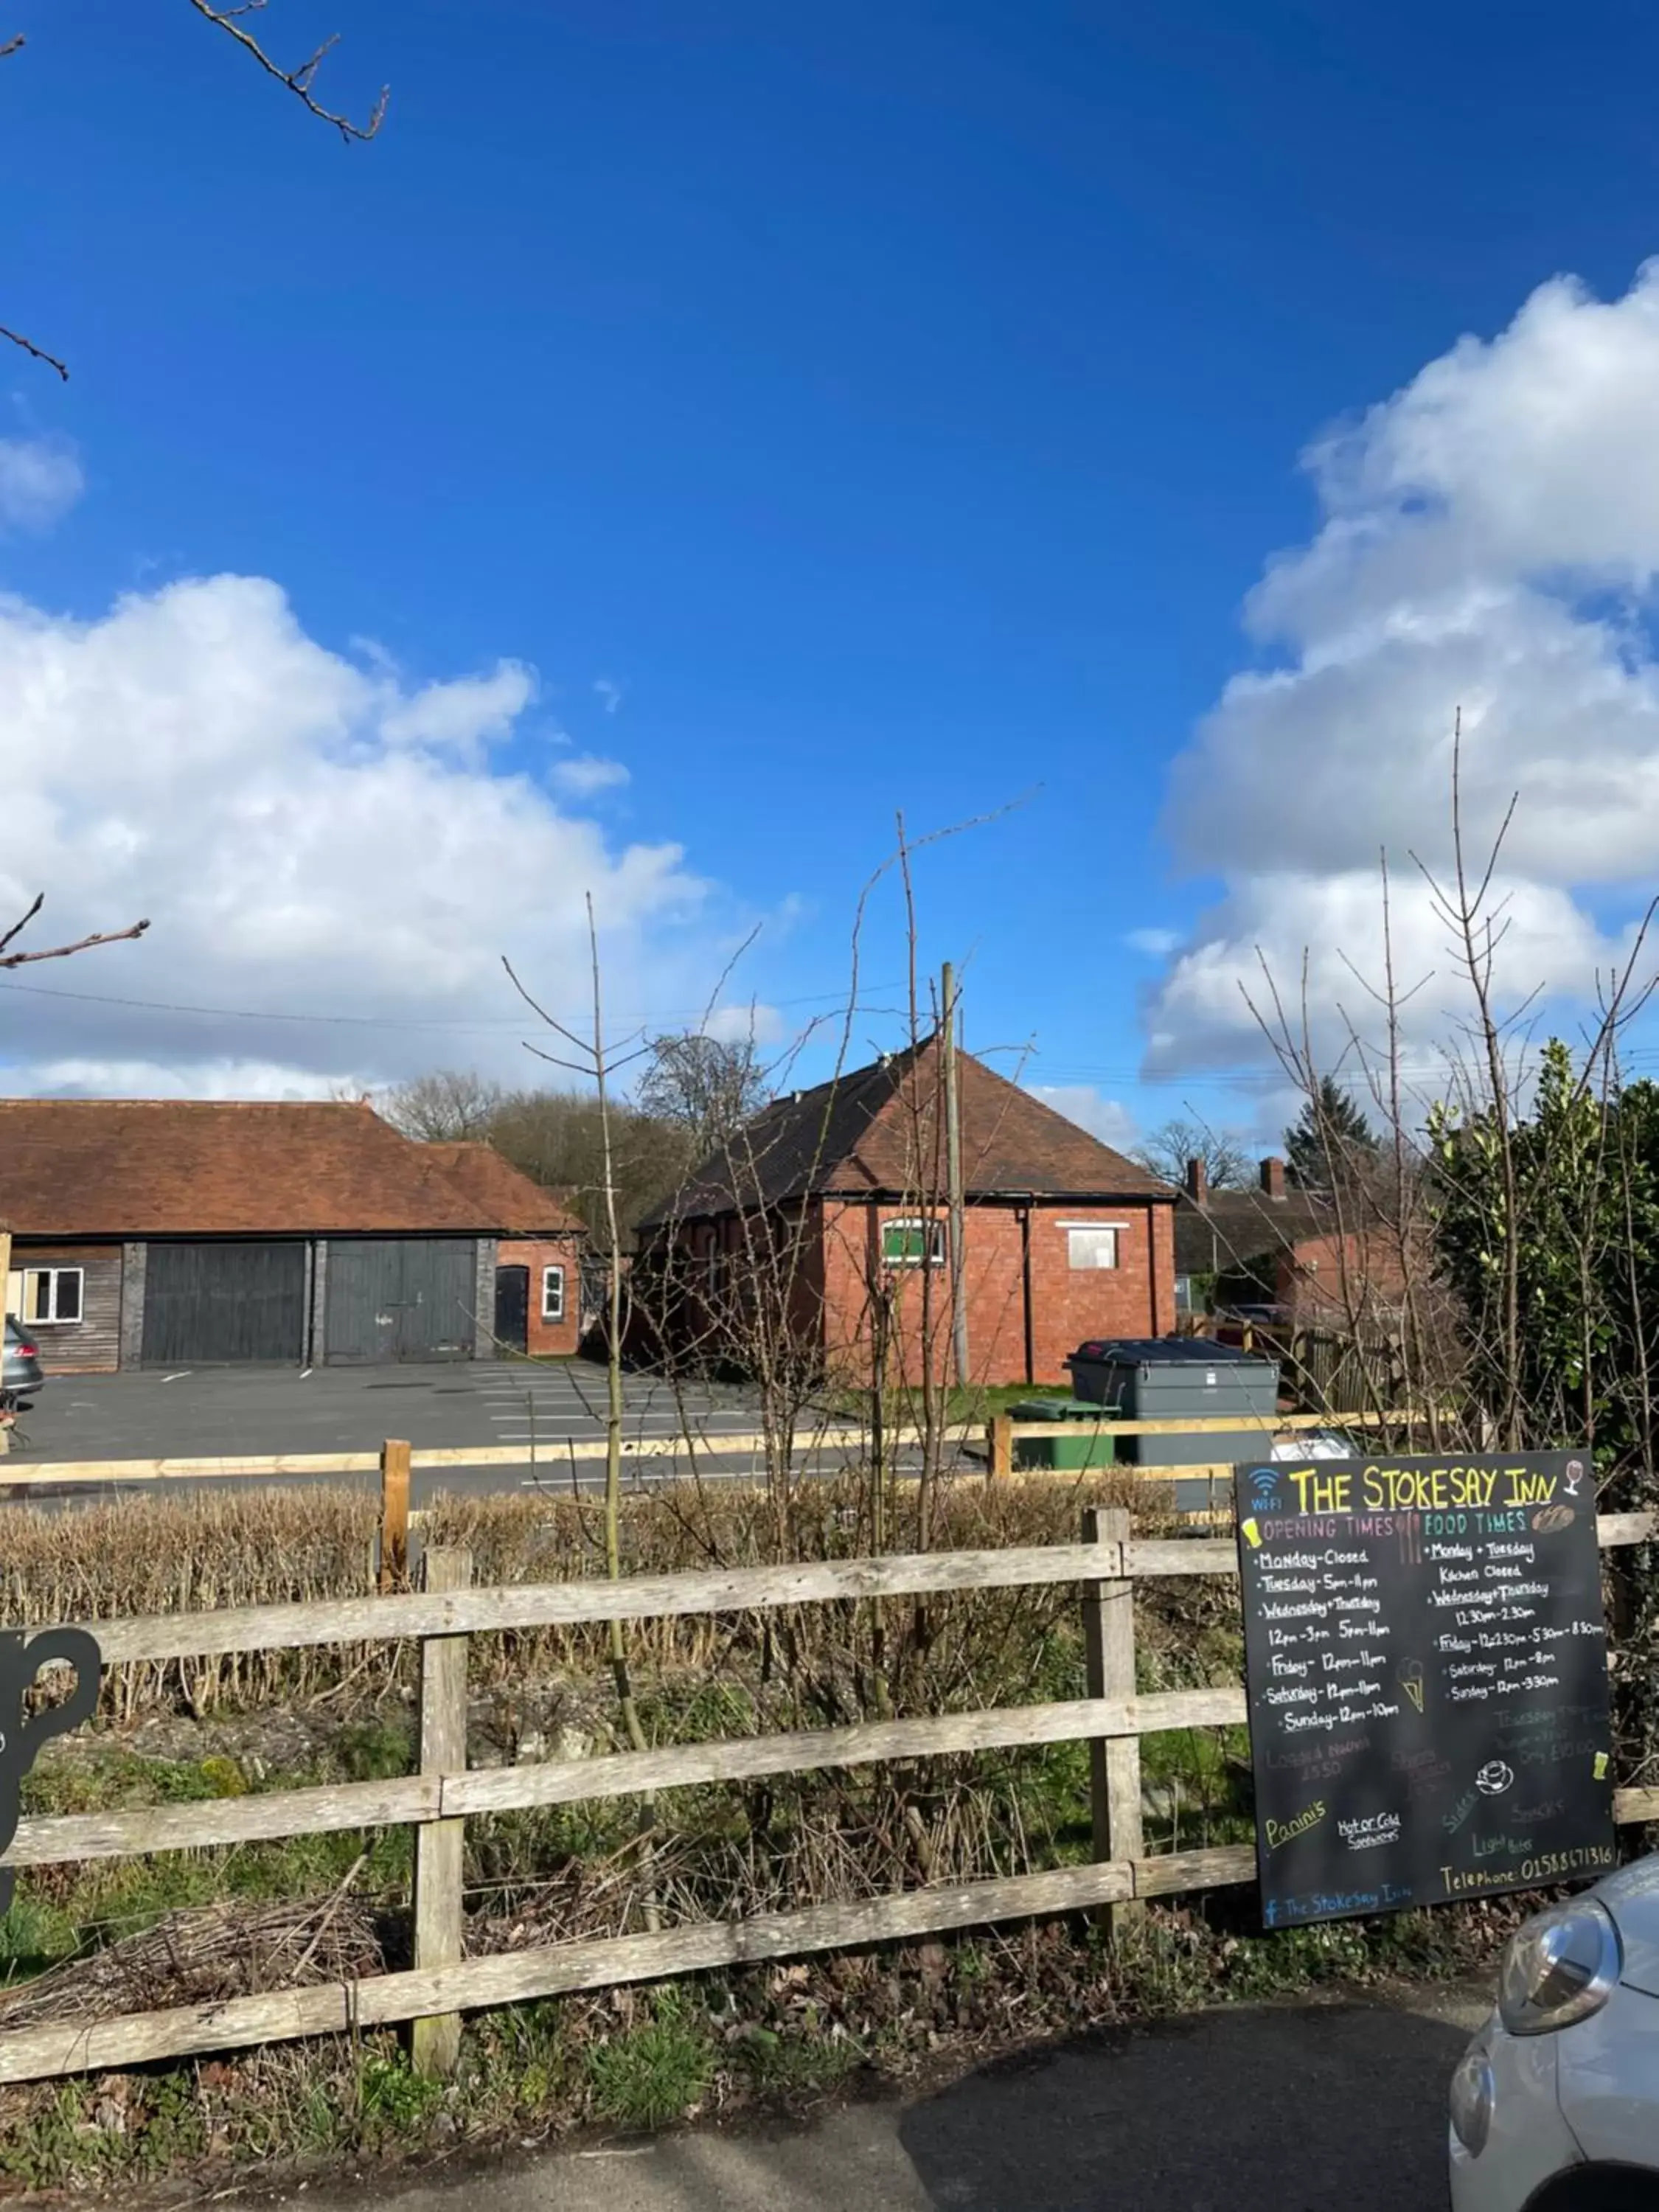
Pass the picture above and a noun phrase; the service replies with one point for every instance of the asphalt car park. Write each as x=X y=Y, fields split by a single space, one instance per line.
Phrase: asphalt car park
x=537 y=1409
x=253 y=1413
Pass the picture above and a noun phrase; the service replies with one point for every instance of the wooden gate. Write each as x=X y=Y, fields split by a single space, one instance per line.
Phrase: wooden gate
x=401 y=1297
x=209 y=1305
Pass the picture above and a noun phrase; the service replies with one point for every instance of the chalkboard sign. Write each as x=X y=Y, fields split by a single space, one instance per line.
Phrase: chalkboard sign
x=1427 y=1673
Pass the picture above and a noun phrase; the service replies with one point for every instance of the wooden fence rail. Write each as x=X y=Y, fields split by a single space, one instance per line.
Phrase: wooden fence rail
x=442 y=1983
x=556 y=1453
x=1003 y=1432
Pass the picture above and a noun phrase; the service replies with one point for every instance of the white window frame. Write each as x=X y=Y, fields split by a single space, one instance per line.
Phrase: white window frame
x=1113 y=1228
x=937 y=1246
x=553 y=1308
x=51 y=1275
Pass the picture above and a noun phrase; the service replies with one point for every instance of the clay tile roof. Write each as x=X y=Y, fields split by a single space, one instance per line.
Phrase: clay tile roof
x=509 y=1198
x=879 y=1130
x=126 y=1167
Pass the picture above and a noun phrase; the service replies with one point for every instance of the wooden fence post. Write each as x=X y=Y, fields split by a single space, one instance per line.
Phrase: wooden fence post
x=999 y=1446
x=439 y=1846
x=5 y=1278
x=1108 y=1643
x=394 y=1514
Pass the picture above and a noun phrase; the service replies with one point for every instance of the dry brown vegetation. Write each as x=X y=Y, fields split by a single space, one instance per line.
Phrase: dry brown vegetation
x=182 y=1552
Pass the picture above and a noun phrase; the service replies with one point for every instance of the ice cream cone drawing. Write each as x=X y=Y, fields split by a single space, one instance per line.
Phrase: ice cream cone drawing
x=1411 y=1680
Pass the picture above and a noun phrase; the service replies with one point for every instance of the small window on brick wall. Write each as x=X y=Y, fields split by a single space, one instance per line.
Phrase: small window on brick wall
x=1090 y=1245
x=552 y=1293
x=912 y=1243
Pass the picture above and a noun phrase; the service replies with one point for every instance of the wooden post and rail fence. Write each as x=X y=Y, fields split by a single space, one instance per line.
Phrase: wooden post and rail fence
x=442 y=1982
x=397 y=1462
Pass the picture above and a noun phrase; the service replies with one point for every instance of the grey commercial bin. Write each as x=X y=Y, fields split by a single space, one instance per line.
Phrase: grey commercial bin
x=1181 y=1378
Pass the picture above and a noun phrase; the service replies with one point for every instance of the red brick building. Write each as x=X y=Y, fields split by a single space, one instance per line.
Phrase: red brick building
x=538 y=1277
x=836 y=1197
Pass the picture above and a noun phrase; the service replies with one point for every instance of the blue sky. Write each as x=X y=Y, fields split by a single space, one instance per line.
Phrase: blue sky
x=839 y=411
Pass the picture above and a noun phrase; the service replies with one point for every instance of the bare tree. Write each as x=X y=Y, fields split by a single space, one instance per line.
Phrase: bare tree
x=709 y=1085
x=450 y=1106
x=1167 y=1150
x=601 y=1063
x=1472 y=1244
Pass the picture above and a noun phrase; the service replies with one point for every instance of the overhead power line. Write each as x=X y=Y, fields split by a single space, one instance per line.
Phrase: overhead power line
x=662 y=1016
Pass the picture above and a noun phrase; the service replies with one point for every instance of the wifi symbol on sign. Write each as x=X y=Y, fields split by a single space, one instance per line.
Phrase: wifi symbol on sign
x=1264 y=1486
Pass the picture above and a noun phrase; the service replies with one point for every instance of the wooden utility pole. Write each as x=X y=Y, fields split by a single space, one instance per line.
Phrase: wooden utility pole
x=953 y=1172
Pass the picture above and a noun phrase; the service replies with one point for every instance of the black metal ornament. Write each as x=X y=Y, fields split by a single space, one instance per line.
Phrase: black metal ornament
x=22 y=1734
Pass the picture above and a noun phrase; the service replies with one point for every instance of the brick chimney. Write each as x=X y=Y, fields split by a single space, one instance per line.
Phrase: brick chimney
x=1198 y=1182
x=1272 y=1178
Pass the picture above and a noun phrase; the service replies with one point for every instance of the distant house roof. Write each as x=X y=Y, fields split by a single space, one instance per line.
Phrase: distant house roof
x=123 y=1167
x=1233 y=1228
x=879 y=1131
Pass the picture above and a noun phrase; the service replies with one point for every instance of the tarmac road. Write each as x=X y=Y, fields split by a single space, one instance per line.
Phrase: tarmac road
x=1331 y=2106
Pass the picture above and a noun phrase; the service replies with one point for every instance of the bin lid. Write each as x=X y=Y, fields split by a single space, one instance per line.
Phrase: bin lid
x=1162 y=1352
x=1058 y=1409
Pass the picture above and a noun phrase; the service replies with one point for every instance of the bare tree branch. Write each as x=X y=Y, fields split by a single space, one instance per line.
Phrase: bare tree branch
x=39 y=353
x=298 y=80
x=9 y=959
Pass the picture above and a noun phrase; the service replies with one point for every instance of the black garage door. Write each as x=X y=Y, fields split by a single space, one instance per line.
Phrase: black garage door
x=401 y=1297
x=219 y=1302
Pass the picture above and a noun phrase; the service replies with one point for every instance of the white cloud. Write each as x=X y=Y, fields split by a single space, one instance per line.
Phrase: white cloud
x=149 y=1079
x=756 y=1024
x=464 y=713
x=1109 y=1119
x=1159 y=943
x=586 y=773
x=41 y=479
x=608 y=695
x=1489 y=541
x=306 y=837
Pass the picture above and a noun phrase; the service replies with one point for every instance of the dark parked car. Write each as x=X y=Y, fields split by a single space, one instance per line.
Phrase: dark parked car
x=21 y=1372
x=1240 y=1325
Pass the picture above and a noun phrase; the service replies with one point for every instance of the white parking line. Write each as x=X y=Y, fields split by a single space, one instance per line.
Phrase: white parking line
x=564 y=1431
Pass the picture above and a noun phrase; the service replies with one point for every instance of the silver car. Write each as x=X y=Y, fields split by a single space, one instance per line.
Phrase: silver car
x=21 y=1372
